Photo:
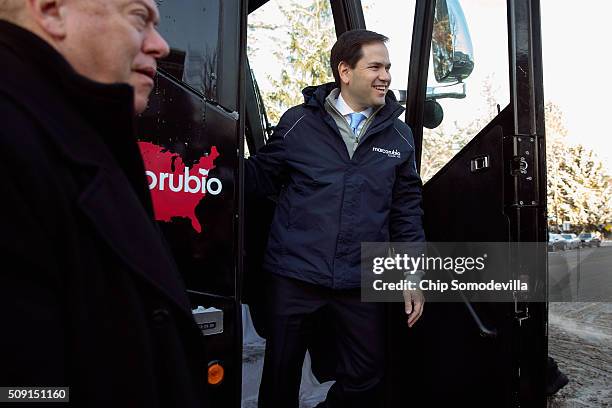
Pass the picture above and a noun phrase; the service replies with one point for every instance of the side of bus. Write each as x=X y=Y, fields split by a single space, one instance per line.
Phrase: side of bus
x=206 y=106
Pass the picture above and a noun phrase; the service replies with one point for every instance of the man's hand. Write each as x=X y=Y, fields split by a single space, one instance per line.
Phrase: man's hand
x=413 y=305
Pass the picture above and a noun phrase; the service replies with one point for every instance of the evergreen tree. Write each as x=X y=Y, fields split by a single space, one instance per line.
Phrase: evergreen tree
x=579 y=189
x=310 y=31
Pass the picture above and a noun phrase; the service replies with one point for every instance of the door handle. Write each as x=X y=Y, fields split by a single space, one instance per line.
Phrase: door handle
x=479 y=163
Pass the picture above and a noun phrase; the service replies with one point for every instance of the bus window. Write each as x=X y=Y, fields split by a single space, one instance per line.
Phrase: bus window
x=191 y=28
x=486 y=90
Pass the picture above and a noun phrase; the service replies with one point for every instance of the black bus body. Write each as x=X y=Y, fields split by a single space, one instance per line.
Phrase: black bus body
x=205 y=107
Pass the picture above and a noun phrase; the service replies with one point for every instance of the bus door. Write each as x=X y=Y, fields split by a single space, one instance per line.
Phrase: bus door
x=190 y=137
x=475 y=104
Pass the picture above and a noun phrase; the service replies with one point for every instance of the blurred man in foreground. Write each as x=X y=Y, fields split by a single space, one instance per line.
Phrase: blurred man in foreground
x=89 y=294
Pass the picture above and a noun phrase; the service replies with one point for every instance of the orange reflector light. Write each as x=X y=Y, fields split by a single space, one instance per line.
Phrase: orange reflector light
x=216 y=372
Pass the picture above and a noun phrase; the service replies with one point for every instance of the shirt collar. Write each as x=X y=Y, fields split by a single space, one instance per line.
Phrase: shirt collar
x=345 y=110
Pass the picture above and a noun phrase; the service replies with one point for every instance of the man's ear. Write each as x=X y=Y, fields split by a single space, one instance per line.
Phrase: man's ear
x=48 y=16
x=344 y=70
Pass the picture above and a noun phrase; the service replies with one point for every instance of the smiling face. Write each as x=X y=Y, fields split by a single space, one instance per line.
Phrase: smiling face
x=367 y=83
x=113 y=41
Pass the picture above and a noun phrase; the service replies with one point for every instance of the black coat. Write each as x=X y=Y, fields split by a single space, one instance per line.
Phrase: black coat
x=90 y=297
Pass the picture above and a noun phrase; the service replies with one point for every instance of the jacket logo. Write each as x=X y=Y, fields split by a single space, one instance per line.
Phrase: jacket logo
x=390 y=153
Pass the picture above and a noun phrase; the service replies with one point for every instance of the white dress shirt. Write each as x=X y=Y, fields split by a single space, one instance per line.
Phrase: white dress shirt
x=346 y=110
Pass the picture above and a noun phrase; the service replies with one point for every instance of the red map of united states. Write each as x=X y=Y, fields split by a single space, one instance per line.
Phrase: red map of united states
x=177 y=193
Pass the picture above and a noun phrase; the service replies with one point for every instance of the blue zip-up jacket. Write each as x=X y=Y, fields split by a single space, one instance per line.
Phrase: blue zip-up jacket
x=329 y=203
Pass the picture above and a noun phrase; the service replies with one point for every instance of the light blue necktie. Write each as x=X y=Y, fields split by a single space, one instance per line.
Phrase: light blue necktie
x=356 y=119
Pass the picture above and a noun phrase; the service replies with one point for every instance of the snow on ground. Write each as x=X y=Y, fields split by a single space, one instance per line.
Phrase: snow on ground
x=580 y=340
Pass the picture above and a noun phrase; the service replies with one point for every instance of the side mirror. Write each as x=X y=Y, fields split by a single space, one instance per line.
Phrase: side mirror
x=433 y=114
x=451 y=45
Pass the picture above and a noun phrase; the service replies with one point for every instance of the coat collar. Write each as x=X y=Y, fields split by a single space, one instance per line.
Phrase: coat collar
x=36 y=73
x=45 y=64
x=91 y=126
x=314 y=97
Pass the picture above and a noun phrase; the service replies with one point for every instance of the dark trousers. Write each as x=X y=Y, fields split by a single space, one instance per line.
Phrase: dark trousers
x=358 y=344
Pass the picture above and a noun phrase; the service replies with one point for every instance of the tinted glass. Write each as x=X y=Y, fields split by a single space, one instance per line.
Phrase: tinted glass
x=191 y=28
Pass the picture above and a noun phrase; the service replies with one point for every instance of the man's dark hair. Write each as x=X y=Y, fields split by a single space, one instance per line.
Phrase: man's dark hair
x=348 y=48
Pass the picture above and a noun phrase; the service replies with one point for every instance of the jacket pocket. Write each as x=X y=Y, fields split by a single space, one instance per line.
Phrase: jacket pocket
x=303 y=206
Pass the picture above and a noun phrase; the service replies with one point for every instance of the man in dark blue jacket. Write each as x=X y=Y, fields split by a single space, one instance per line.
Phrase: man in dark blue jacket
x=343 y=165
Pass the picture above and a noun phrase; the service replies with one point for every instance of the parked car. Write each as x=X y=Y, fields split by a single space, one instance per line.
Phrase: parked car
x=589 y=239
x=572 y=241
x=556 y=243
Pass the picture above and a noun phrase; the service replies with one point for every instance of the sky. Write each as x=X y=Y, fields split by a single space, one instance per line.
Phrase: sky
x=575 y=51
x=576 y=58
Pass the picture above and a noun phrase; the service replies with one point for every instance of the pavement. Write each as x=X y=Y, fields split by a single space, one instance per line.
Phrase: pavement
x=581 y=275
